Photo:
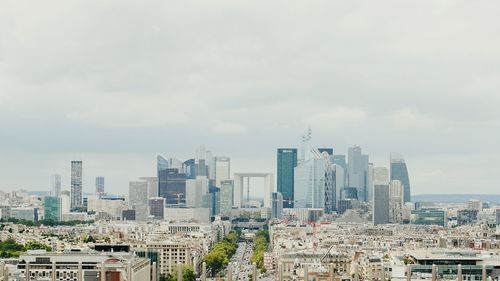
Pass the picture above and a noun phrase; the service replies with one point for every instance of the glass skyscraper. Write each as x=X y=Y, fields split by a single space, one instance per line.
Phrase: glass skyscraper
x=399 y=172
x=172 y=187
x=287 y=161
x=52 y=208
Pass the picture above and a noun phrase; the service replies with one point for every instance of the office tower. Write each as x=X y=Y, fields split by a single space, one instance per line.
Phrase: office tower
x=156 y=208
x=76 y=185
x=277 y=205
x=52 y=208
x=99 y=185
x=65 y=202
x=497 y=213
x=212 y=200
x=24 y=213
x=396 y=202
x=312 y=181
x=56 y=185
x=381 y=195
x=226 y=197
x=152 y=186
x=161 y=165
x=428 y=217
x=137 y=193
x=381 y=204
x=287 y=161
x=370 y=181
x=358 y=171
x=190 y=168
x=196 y=189
x=172 y=187
x=201 y=161
x=399 y=172
x=338 y=179
x=349 y=193
x=222 y=169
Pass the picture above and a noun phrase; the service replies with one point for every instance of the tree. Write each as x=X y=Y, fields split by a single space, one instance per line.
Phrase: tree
x=35 y=245
x=188 y=274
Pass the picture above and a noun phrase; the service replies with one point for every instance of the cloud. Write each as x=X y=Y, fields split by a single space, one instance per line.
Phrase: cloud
x=228 y=128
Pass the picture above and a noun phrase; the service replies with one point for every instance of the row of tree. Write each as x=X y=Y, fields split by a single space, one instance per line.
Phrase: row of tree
x=187 y=275
x=261 y=244
x=220 y=254
x=10 y=248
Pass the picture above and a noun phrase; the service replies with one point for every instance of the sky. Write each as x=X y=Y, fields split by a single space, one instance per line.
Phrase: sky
x=114 y=82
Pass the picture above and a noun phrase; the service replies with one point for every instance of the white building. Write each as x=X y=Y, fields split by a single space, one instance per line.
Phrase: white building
x=195 y=190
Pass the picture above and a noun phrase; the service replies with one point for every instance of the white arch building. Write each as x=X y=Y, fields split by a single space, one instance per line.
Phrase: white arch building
x=238 y=187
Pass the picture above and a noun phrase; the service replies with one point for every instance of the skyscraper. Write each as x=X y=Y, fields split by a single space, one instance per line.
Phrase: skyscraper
x=276 y=205
x=52 y=208
x=56 y=185
x=287 y=161
x=196 y=190
x=172 y=187
x=99 y=185
x=358 y=171
x=161 y=165
x=313 y=182
x=190 y=168
x=222 y=169
x=156 y=208
x=137 y=193
x=226 y=197
x=381 y=196
x=399 y=172
x=395 y=202
x=76 y=185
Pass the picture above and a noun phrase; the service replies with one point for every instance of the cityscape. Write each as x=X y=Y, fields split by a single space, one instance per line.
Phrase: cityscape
x=327 y=216
x=226 y=140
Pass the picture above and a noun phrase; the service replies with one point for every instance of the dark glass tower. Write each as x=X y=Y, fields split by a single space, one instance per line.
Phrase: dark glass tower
x=172 y=187
x=399 y=171
x=287 y=161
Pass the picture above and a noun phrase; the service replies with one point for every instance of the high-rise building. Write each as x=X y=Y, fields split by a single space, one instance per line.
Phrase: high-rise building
x=137 y=193
x=313 y=182
x=287 y=161
x=172 y=187
x=497 y=213
x=395 y=202
x=381 y=195
x=203 y=157
x=222 y=169
x=358 y=171
x=156 y=208
x=76 y=185
x=381 y=204
x=152 y=186
x=99 y=185
x=466 y=216
x=190 y=168
x=196 y=189
x=52 y=208
x=399 y=172
x=65 y=202
x=277 y=205
x=161 y=165
x=56 y=185
x=226 y=197
x=338 y=180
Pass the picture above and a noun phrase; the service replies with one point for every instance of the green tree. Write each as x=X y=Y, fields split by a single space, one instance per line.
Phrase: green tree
x=35 y=245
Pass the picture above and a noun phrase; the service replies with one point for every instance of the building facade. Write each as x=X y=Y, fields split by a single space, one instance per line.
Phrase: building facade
x=286 y=163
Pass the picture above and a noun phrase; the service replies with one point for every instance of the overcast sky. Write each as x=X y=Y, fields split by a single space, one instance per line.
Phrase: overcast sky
x=115 y=82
